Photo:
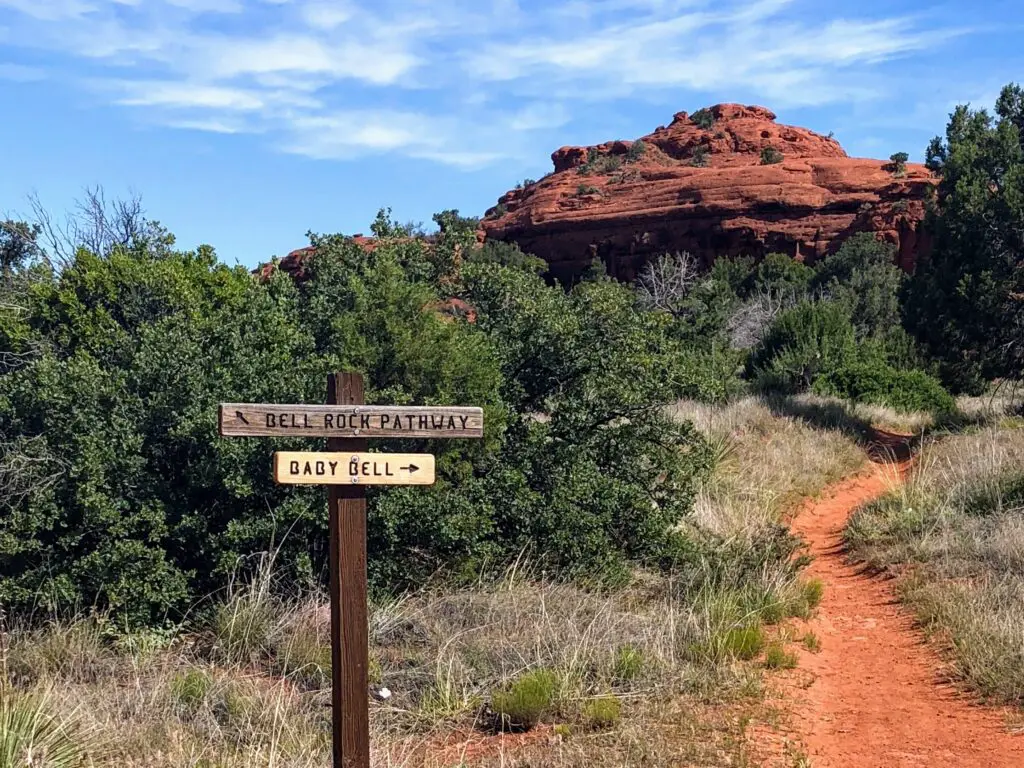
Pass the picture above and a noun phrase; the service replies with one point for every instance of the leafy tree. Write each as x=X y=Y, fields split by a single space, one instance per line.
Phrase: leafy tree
x=700 y=157
x=803 y=342
x=862 y=277
x=965 y=303
x=778 y=273
x=899 y=163
x=127 y=499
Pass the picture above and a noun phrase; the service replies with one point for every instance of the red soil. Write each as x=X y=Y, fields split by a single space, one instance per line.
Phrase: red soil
x=876 y=698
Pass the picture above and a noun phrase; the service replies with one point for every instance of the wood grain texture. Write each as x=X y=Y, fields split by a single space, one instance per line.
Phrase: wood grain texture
x=327 y=468
x=349 y=628
x=349 y=420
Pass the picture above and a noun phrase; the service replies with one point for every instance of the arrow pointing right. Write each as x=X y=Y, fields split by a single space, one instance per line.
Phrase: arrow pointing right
x=411 y=468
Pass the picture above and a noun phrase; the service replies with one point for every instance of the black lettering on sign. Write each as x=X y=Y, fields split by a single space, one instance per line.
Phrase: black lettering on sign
x=334 y=467
x=384 y=419
x=423 y=422
x=308 y=469
x=364 y=421
x=293 y=467
x=451 y=422
x=366 y=468
x=464 y=420
x=305 y=418
x=353 y=467
x=387 y=469
x=320 y=468
x=271 y=421
x=282 y=420
x=329 y=421
x=398 y=422
x=437 y=422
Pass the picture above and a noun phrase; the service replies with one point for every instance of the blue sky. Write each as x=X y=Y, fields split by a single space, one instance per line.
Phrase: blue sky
x=246 y=123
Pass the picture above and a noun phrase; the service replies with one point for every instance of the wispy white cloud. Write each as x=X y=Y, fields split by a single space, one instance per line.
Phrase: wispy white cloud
x=19 y=73
x=465 y=82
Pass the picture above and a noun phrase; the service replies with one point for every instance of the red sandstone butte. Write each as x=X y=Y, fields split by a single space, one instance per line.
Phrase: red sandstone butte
x=805 y=206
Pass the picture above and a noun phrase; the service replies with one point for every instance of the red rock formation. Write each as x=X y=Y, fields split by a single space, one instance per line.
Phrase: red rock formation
x=705 y=190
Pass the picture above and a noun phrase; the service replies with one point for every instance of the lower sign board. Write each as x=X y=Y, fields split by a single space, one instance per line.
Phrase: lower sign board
x=323 y=468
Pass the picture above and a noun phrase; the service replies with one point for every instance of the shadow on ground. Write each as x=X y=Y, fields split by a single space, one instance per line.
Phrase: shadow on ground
x=882 y=446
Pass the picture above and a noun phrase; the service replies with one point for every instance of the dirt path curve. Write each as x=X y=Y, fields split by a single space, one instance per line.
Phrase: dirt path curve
x=871 y=697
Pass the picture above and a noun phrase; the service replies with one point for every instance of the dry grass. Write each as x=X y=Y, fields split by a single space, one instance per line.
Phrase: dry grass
x=769 y=461
x=663 y=671
x=955 y=531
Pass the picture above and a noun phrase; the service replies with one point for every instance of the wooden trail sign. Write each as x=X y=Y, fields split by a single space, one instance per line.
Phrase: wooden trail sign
x=312 y=468
x=347 y=422
x=262 y=420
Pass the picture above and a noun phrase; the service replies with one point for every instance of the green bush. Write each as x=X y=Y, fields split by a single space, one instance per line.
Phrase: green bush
x=636 y=151
x=700 y=157
x=872 y=381
x=899 y=163
x=801 y=344
x=703 y=118
x=771 y=156
x=140 y=508
x=521 y=705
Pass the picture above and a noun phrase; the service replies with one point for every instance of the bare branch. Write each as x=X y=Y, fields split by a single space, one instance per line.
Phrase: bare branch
x=26 y=467
x=666 y=282
x=749 y=323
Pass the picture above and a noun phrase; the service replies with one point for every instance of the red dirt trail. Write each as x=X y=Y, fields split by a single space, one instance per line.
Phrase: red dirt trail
x=872 y=697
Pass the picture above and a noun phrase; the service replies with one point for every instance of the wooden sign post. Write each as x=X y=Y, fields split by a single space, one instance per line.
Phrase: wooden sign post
x=346 y=468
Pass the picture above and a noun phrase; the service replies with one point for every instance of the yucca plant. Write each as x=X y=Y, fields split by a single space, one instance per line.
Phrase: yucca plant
x=31 y=735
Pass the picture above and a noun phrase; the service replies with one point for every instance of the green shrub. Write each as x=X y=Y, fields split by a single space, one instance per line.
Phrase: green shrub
x=777 y=657
x=800 y=345
x=700 y=157
x=599 y=163
x=703 y=118
x=141 y=508
x=586 y=189
x=636 y=151
x=771 y=156
x=521 y=705
x=602 y=712
x=872 y=381
x=899 y=163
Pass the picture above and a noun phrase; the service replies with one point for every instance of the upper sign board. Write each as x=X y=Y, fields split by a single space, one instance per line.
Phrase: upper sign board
x=394 y=421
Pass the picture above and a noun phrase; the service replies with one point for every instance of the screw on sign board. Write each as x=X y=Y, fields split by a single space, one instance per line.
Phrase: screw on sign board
x=346 y=468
